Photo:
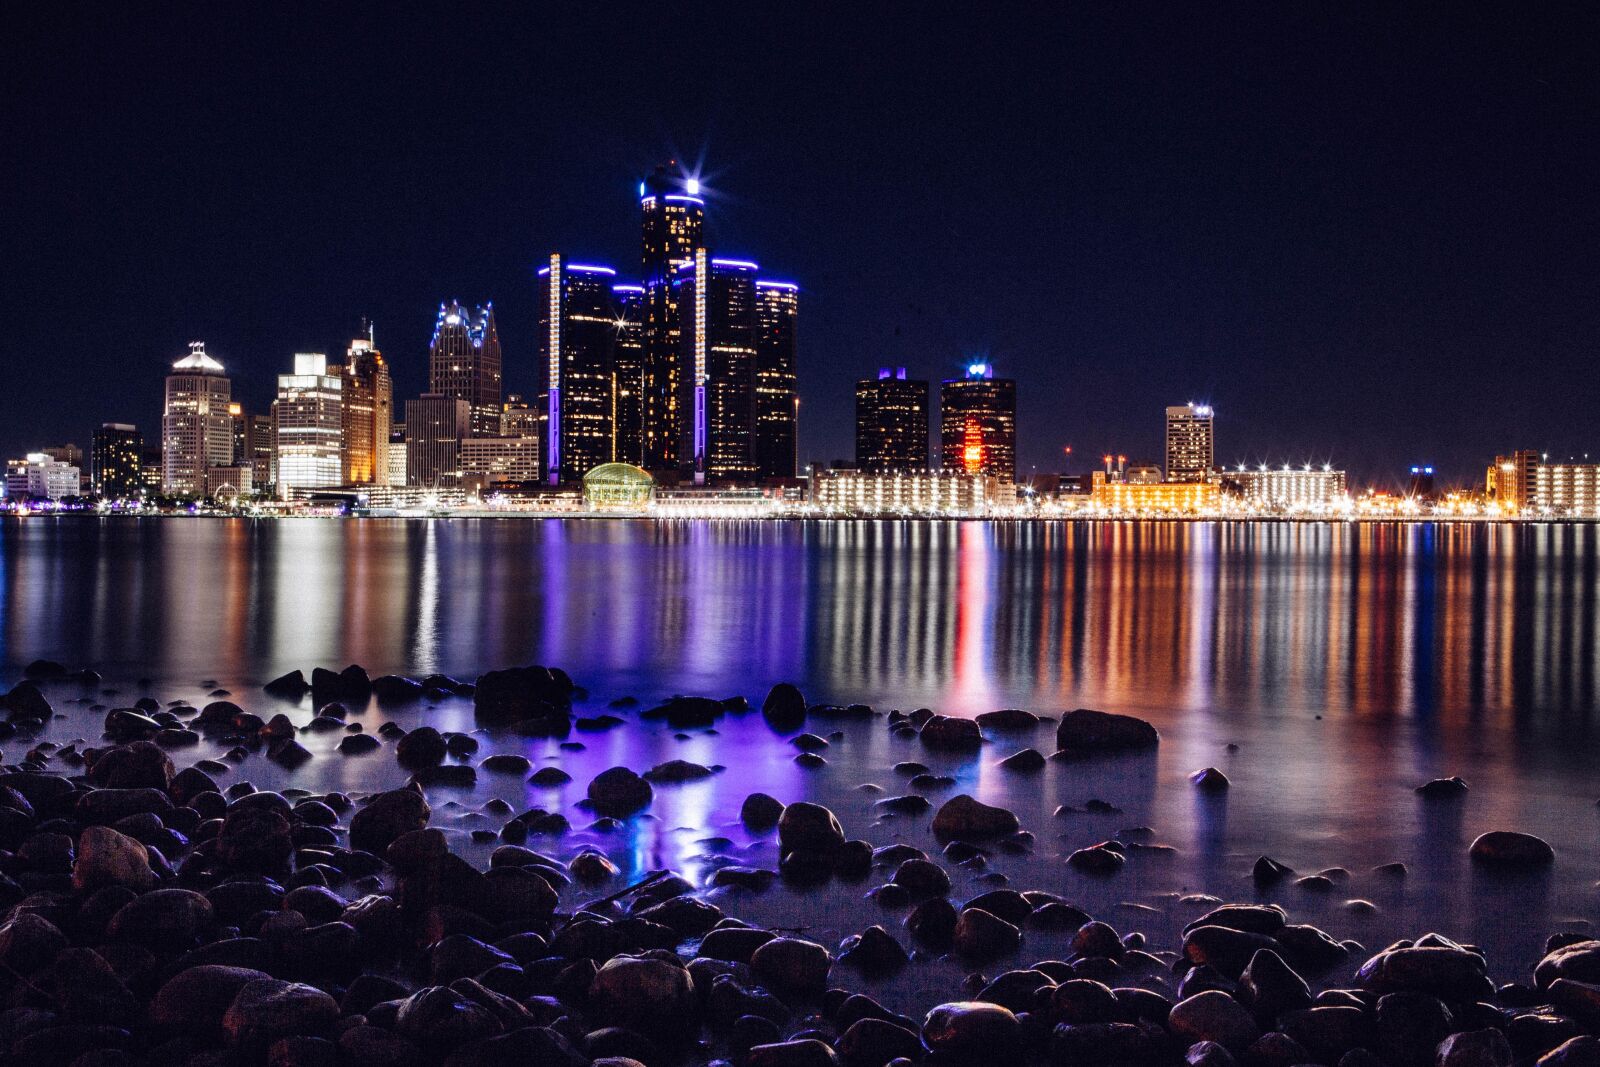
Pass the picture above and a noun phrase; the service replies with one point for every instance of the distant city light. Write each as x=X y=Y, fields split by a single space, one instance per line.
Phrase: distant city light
x=692 y=186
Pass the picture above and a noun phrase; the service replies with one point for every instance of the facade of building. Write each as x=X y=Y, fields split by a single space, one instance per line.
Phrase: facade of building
x=262 y=451
x=114 y=461
x=38 y=476
x=716 y=300
x=1191 y=447
x=628 y=305
x=978 y=423
x=397 y=461
x=1512 y=479
x=518 y=418
x=1159 y=498
x=487 y=460
x=891 y=422
x=577 y=342
x=464 y=363
x=196 y=427
x=777 y=384
x=1567 y=488
x=914 y=492
x=672 y=225
x=233 y=481
x=1286 y=488
x=368 y=413
x=435 y=427
x=310 y=425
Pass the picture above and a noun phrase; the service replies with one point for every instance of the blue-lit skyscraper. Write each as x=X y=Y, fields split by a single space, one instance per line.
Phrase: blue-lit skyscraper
x=577 y=341
x=978 y=423
x=672 y=216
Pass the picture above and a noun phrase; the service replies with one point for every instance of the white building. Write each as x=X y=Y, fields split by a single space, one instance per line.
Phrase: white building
x=1191 y=445
x=1303 y=488
x=914 y=492
x=40 y=477
x=486 y=460
x=196 y=426
x=397 y=463
x=1567 y=488
x=310 y=414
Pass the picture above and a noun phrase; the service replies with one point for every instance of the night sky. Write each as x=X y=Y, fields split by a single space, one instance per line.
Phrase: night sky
x=1364 y=236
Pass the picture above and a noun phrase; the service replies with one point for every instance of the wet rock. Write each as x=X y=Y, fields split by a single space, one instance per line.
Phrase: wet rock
x=1008 y=719
x=922 y=878
x=1407 y=1028
x=792 y=965
x=162 y=918
x=979 y=935
x=1581 y=1000
x=676 y=771
x=1026 y=762
x=873 y=1042
x=1474 y=1048
x=806 y=1052
x=1581 y=1051
x=547 y=777
x=1269 y=872
x=1327 y=1033
x=652 y=996
x=138 y=765
x=267 y=1009
x=506 y=763
x=1229 y=951
x=1265 y=919
x=395 y=689
x=193 y=1001
x=1208 y=1054
x=812 y=828
x=291 y=686
x=619 y=792
x=1450 y=973
x=873 y=952
x=534 y=699
x=1269 y=987
x=358 y=745
x=29 y=941
x=1084 y=731
x=735 y=944
x=910 y=804
x=1210 y=780
x=945 y=733
x=784 y=707
x=1098 y=859
x=1214 y=1016
x=106 y=857
x=965 y=818
x=1577 y=960
x=1442 y=789
x=1511 y=850
x=972 y=1032
x=422 y=747
x=438 y=1018
x=592 y=868
x=386 y=817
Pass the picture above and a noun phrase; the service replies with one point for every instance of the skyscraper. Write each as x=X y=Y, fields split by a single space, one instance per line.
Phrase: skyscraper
x=978 y=423
x=435 y=425
x=777 y=395
x=464 y=362
x=672 y=227
x=891 y=422
x=196 y=429
x=114 y=461
x=1190 y=446
x=262 y=450
x=577 y=341
x=518 y=418
x=310 y=420
x=629 y=305
x=716 y=301
x=368 y=412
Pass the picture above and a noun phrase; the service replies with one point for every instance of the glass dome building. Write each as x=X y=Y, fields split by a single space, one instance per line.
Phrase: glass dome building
x=618 y=486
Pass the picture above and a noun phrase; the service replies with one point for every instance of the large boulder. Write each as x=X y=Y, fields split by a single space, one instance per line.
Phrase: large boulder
x=646 y=994
x=1086 y=731
x=386 y=817
x=972 y=1031
x=193 y=1001
x=1579 y=961
x=785 y=707
x=807 y=827
x=964 y=818
x=524 y=695
x=268 y=1009
x=619 y=792
x=1214 y=1016
x=947 y=733
x=1511 y=850
x=106 y=857
x=1450 y=973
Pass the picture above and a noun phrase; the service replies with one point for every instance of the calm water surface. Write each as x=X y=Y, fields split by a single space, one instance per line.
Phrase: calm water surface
x=1347 y=663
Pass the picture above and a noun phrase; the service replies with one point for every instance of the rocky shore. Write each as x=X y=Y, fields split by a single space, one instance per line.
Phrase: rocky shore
x=163 y=914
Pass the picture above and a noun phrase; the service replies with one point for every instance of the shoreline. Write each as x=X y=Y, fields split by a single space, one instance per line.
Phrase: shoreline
x=180 y=915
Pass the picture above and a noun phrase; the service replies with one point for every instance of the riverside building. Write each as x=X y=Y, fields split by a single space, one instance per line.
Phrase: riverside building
x=1286 y=488
x=114 y=461
x=464 y=363
x=978 y=423
x=310 y=425
x=1191 y=445
x=891 y=422
x=196 y=427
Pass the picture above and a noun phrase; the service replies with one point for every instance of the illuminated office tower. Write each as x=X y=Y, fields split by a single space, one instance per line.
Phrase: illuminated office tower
x=891 y=422
x=435 y=427
x=114 y=461
x=672 y=227
x=978 y=423
x=518 y=418
x=464 y=362
x=368 y=413
x=310 y=419
x=196 y=428
x=716 y=301
x=262 y=454
x=1190 y=444
x=777 y=398
x=628 y=306
x=577 y=345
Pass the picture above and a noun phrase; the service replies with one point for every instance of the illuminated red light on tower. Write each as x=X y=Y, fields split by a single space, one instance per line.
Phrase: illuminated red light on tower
x=972 y=448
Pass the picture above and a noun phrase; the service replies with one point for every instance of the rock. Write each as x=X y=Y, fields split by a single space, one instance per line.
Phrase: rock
x=1442 y=788
x=761 y=812
x=106 y=857
x=964 y=818
x=592 y=868
x=422 y=747
x=1578 y=961
x=811 y=828
x=1408 y=1028
x=649 y=995
x=291 y=686
x=1229 y=951
x=980 y=935
x=358 y=745
x=945 y=733
x=805 y=1052
x=193 y=1001
x=1208 y=1054
x=371 y=1046
x=791 y=965
x=533 y=699
x=438 y=1018
x=1511 y=850
x=139 y=765
x=1210 y=780
x=1474 y=1048
x=255 y=840
x=1214 y=1016
x=1097 y=859
x=506 y=763
x=873 y=1042
x=548 y=777
x=267 y=1009
x=396 y=689
x=1450 y=973
x=873 y=952
x=785 y=707
x=374 y=827
x=1581 y=1051
x=971 y=1031
x=1026 y=762
x=1268 y=872
x=28 y=941
x=1085 y=731
x=1008 y=719
x=676 y=771
x=162 y=918
x=1269 y=987
x=619 y=792
x=922 y=878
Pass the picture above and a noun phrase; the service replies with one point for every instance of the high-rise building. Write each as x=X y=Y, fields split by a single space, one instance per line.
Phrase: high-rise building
x=1567 y=488
x=310 y=421
x=1420 y=487
x=1512 y=480
x=978 y=423
x=262 y=451
x=518 y=418
x=488 y=460
x=629 y=305
x=1191 y=447
x=464 y=362
x=716 y=301
x=891 y=422
x=152 y=468
x=777 y=396
x=435 y=426
x=672 y=227
x=38 y=476
x=196 y=428
x=577 y=342
x=114 y=458
x=368 y=411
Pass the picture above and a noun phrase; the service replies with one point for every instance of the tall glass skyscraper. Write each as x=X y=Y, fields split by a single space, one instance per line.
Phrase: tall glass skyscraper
x=196 y=429
x=310 y=417
x=891 y=423
x=368 y=412
x=114 y=459
x=464 y=362
x=577 y=340
x=777 y=395
x=629 y=304
x=1190 y=446
x=716 y=301
x=672 y=216
x=978 y=423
